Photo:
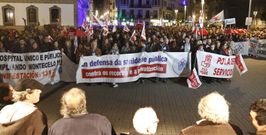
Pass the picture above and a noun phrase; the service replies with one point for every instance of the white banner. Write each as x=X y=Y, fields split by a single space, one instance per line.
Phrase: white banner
x=240 y=47
x=193 y=80
x=42 y=67
x=230 y=21
x=258 y=48
x=240 y=64
x=214 y=65
x=131 y=67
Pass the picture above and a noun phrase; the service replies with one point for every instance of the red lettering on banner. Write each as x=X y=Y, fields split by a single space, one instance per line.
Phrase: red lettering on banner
x=225 y=61
x=123 y=72
x=239 y=63
x=223 y=72
x=9 y=76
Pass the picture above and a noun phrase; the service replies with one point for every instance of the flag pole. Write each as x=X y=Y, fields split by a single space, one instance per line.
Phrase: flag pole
x=249 y=10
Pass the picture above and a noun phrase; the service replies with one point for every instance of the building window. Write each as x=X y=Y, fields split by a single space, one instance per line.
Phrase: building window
x=8 y=15
x=155 y=14
x=147 y=2
x=140 y=14
x=156 y=2
x=140 y=3
x=132 y=15
x=131 y=3
x=32 y=15
x=124 y=2
x=55 y=15
x=147 y=15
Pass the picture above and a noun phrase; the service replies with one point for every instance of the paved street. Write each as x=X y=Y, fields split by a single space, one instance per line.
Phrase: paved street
x=174 y=102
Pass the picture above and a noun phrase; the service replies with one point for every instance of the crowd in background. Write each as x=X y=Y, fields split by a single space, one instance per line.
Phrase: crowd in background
x=170 y=39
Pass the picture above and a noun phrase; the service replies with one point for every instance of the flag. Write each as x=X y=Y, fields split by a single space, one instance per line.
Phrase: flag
x=96 y=20
x=193 y=80
x=126 y=29
x=143 y=33
x=218 y=18
x=90 y=31
x=133 y=37
x=240 y=64
x=75 y=44
x=85 y=25
x=114 y=28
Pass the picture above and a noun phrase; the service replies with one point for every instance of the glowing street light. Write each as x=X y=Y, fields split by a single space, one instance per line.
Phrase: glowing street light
x=255 y=14
x=202 y=10
x=185 y=12
x=176 y=12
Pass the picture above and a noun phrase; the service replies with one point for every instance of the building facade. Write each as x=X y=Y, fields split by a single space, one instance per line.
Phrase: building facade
x=38 y=12
x=153 y=11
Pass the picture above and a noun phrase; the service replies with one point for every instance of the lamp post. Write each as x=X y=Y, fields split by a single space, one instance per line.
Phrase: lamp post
x=185 y=13
x=249 y=9
x=255 y=21
x=176 y=12
x=202 y=10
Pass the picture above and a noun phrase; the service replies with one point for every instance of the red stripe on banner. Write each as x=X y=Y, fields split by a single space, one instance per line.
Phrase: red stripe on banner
x=123 y=72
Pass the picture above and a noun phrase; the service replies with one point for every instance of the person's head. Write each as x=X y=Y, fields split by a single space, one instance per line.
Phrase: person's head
x=214 y=108
x=145 y=121
x=73 y=103
x=34 y=45
x=28 y=90
x=258 y=114
x=6 y=91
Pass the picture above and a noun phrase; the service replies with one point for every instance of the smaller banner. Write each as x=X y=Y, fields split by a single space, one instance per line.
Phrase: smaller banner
x=214 y=65
x=230 y=21
x=193 y=80
x=131 y=67
x=240 y=64
x=240 y=47
x=258 y=48
x=43 y=67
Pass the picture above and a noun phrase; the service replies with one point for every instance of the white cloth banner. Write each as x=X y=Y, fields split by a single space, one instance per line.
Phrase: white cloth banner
x=240 y=64
x=131 y=67
x=193 y=80
x=230 y=21
x=240 y=47
x=214 y=65
x=43 y=67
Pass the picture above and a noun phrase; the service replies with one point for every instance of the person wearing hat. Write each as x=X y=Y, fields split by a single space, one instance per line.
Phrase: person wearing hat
x=23 y=117
x=258 y=116
x=214 y=111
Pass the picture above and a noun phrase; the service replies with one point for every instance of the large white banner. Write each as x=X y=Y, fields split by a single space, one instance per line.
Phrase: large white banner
x=131 y=67
x=258 y=48
x=214 y=65
x=240 y=47
x=42 y=67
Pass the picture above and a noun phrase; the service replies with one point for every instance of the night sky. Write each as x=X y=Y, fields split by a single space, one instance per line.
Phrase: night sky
x=233 y=8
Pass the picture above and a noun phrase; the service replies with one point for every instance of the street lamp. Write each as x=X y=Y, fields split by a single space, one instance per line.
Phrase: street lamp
x=176 y=12
x=202 y=10
x=255 y=14
x=185 y=13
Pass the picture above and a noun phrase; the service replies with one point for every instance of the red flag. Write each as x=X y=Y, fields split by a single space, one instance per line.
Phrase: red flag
x=133 y=37
x=193 y=80
x=218 y=18
x=143 y=33
x=240 y=64
x=126 y=29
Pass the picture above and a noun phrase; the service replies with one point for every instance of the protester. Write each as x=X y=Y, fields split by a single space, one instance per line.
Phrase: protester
x=6 y=94
x=214 y=111
x=76 y=119
x=23 y=117
x=258 y=116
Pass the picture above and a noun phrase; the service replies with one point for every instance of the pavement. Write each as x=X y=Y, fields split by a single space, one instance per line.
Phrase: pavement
x=174 y=103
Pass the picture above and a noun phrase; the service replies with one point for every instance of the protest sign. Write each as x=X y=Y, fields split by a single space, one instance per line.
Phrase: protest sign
x=214 y=65
x=131 y=67
x=42 y=67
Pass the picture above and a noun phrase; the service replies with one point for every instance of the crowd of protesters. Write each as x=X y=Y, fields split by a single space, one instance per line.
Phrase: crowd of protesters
x=170 y=39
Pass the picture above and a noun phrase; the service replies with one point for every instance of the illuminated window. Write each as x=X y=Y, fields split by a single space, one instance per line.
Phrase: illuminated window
x=55 y=15
x=32 y=15
x=8 y=15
